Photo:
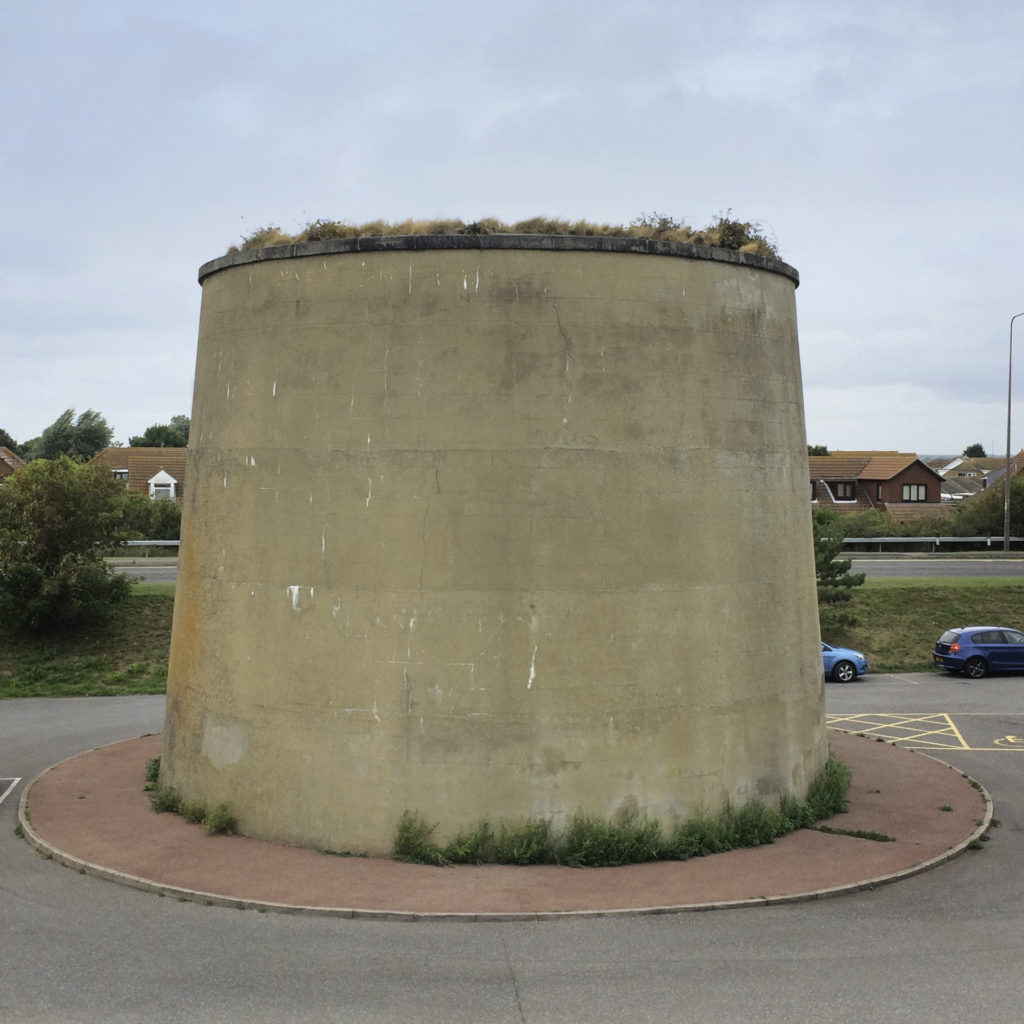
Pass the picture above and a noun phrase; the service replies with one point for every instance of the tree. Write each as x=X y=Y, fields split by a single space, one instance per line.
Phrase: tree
x=835 y=581
x=6 y=441
x=983 y=513
x=975 y=451
x=147 y=519
x=817 y=449
x=57 y=517
x=164 y=435
x=182 y=424
x=160 y=435
x=81 y=438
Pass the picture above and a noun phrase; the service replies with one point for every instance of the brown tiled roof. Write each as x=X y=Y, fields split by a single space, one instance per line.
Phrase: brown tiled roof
x=885 y=467
x=9 y=462
x=916 y=510
x=836 y=467
x=144 y=463
x=861 y=465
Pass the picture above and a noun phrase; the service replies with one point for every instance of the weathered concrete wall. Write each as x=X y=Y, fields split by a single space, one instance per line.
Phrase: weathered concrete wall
x=496 y=531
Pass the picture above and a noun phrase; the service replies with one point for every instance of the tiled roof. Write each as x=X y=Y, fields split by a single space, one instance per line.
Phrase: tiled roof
x=9 y=462
x=836 y=467
x=962 y=464
x=903 y=512
x=885 y=467
x=144 y=463
x=860 y=465
x=961 y=486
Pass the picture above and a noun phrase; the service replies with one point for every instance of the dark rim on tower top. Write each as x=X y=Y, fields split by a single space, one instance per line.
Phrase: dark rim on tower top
x=548 y=243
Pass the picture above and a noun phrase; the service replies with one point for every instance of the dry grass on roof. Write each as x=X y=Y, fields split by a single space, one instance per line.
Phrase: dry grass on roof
x=724 y=233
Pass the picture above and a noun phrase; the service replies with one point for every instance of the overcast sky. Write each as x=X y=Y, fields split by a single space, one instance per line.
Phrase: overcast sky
x=881 y=143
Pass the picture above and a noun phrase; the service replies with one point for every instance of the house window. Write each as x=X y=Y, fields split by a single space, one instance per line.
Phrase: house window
x=121 y=475
x=915 y=492
x=814 y=491
x=163 y=485
x=844 y=491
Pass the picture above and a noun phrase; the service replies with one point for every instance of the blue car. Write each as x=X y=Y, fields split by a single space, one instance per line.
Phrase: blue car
x=842 y=664
x=977 y=650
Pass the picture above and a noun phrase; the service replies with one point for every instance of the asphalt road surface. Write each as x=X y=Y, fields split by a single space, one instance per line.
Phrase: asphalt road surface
x=155 y=571
x=922 y=567
x=945 y=946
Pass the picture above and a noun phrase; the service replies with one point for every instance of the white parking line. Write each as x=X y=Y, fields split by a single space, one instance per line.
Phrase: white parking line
x=11 y=783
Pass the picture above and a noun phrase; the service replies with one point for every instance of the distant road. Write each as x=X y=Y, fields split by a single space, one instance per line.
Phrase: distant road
x=925 y=567
x=151 y=570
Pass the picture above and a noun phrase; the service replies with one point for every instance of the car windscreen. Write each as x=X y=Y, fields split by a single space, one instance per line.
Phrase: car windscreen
x=949 y=636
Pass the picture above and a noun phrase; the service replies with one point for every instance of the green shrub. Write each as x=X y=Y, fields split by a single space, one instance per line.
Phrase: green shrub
x=56 y=519
x=192 y=811
x=525 y=842
x=146 y=519
x=152 y=774
x=590 y=841
x=756 y=824
x=413 y=842
x=795 y=813
x=828 y=792
x=699 y=836
x=220 y=820
x=165 y=800
x=473 y=847
x=596 y=842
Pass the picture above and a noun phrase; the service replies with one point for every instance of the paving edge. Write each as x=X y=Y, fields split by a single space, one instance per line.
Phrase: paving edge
x=210 y=899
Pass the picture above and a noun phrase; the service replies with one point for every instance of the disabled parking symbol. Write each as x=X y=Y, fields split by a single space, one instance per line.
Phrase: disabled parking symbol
x=1010 y=741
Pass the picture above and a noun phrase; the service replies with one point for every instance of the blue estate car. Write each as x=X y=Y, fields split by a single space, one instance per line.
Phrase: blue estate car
x=842 y=664
x=977 y=650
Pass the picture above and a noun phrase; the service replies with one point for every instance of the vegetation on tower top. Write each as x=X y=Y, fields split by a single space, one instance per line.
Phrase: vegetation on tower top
x=724 y=233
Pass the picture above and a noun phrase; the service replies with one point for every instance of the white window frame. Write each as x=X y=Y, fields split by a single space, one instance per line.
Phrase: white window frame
x=163 y=486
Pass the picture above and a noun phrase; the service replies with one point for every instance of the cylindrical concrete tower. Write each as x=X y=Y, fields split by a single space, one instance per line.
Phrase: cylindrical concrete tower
x=498 y=527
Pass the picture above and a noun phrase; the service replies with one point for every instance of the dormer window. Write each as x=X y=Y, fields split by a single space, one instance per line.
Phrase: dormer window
x=163 y=485
x=844 y=490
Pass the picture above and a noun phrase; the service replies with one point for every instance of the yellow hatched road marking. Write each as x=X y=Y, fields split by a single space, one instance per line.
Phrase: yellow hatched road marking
x=936 y=731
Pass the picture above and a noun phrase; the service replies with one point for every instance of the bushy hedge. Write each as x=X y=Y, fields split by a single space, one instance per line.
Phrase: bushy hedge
x=57 y=518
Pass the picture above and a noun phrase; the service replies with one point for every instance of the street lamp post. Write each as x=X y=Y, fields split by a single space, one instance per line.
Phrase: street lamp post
x=1006 y=476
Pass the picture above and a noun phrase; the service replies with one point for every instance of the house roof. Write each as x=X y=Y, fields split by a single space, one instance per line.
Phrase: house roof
x=9 y=462
x=907 y=511
x=862 y=465
x=963 y=463
x=145 y=463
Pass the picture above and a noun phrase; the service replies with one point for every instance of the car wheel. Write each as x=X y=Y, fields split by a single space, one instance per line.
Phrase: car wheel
x=975 y=668
x=843 y=672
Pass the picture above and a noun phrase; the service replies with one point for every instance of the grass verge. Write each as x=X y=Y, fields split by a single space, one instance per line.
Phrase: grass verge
x=128 y=654
x=898 y=621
